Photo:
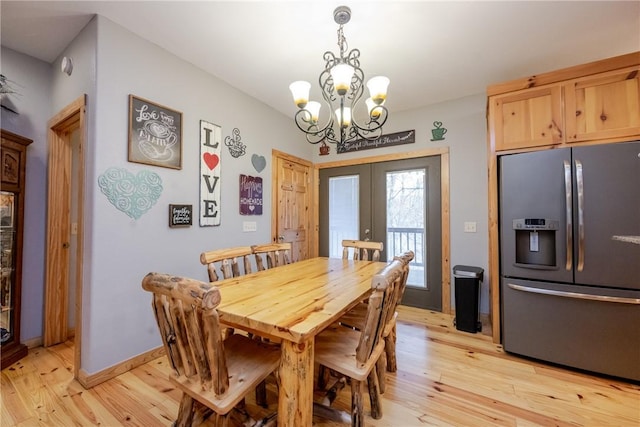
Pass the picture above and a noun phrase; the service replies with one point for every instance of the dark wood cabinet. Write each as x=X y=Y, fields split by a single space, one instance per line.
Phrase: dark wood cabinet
x=14 y=157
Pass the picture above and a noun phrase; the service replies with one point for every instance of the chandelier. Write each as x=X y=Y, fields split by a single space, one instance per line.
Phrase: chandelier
x=342 y=86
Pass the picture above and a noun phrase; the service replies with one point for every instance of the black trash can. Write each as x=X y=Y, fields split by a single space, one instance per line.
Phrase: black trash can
x=467 y=292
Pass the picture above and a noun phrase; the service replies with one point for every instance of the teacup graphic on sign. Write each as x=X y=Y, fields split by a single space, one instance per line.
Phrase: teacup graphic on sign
x=438 y=132
x=156 y=140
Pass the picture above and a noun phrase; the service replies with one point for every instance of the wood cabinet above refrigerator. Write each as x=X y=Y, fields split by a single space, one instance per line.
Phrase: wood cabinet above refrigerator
x=595 y=101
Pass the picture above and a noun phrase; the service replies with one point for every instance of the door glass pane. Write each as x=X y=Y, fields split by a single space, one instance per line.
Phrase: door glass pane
x=8 y=238
x=343 y=212
x=406 y=201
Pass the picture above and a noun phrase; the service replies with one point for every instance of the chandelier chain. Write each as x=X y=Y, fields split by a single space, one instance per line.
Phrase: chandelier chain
x=342 y=42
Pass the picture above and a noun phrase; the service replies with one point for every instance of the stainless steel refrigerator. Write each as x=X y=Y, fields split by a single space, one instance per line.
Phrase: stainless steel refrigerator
x=570 y=256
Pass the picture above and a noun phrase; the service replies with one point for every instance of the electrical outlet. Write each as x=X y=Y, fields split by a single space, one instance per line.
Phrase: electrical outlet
x=74 y=228
x=248 y=226
x=470 y=227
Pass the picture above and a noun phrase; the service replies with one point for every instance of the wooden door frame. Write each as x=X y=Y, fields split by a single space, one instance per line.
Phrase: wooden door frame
x=443 y=152
x=70 y=117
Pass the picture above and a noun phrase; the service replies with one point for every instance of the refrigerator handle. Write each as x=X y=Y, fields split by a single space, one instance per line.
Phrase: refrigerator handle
x=575 y=295
x=569 y=213
x=580 y=189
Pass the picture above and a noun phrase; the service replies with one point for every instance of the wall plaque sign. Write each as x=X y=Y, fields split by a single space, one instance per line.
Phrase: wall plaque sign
x=250 y=195
x=155 y=134
x=398 y=138
x=210 y=142
x=180 y=216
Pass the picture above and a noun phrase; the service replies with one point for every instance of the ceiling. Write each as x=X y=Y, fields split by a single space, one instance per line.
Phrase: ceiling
x=431 y=51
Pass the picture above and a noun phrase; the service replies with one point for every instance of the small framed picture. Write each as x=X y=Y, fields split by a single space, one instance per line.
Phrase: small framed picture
x=180 y=216
x=155 y=134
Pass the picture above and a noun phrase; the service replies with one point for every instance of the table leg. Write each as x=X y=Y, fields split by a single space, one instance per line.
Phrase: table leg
x=295 y=394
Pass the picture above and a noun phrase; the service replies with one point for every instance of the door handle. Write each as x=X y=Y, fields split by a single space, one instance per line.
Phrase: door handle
x=580 y=187
x=281 y=238
x=568 y=214
x=366 y=235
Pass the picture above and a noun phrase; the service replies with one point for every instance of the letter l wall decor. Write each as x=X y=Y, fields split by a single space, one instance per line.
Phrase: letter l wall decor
x=210 y=142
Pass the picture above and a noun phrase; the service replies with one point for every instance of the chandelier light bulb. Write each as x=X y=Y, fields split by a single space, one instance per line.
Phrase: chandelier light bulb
x=378 y=89
x=341 y=75
x=300 y=92
x=313 y=107
x=373 y=108
x=345 y=121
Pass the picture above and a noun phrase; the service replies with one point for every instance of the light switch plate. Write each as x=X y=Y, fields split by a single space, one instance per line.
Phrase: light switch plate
x=248 y=226
x=470 y=227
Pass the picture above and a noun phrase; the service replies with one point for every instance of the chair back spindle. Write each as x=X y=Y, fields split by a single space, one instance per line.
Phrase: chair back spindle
x=362 y=250
x=276 y=254
x=225 y=263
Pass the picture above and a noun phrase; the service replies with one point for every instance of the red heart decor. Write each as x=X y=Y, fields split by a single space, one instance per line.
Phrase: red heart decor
x=211 y=160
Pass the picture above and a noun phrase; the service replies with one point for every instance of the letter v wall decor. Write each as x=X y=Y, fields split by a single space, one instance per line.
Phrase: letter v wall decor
x=210 y=141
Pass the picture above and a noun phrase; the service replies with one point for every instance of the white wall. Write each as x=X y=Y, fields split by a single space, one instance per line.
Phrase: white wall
x=465 y=122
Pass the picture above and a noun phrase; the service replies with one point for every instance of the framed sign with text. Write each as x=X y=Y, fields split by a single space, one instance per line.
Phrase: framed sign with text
x=398 y=138
x=250 y=195
x=180 y=216
x=155 y=134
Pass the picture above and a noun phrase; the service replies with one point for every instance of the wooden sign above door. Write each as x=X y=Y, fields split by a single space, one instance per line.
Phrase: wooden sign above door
x=398 y=138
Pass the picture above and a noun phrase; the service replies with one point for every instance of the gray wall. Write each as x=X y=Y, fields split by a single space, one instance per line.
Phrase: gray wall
x=109 y=64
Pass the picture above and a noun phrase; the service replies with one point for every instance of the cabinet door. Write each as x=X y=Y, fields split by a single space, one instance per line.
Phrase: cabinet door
x=604 y=105
x=11 y=166
x=527 y=118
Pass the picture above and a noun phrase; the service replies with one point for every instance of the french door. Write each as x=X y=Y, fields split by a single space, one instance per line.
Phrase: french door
x=396 y=202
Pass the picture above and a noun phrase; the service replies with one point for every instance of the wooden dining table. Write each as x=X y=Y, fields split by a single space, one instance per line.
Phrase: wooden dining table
x=292 y=304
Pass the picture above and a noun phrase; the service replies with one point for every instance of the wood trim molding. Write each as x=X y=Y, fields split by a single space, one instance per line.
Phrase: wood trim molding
x=73 y=116
x=385 y=157
x=91 y=380
x=445 y=207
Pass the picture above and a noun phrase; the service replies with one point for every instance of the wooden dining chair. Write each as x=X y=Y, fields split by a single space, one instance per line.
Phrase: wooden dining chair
x=225 y=263
x=276 y=254
x=355 y=319
x=213 y=374
x=355 y=353
x=362 y=250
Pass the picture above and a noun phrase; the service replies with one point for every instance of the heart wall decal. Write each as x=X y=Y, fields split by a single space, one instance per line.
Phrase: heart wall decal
x=211 y=160
x=258 y=162
x=132 y=194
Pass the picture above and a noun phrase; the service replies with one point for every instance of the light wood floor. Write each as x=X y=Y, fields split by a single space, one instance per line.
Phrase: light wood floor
x=446 y=378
